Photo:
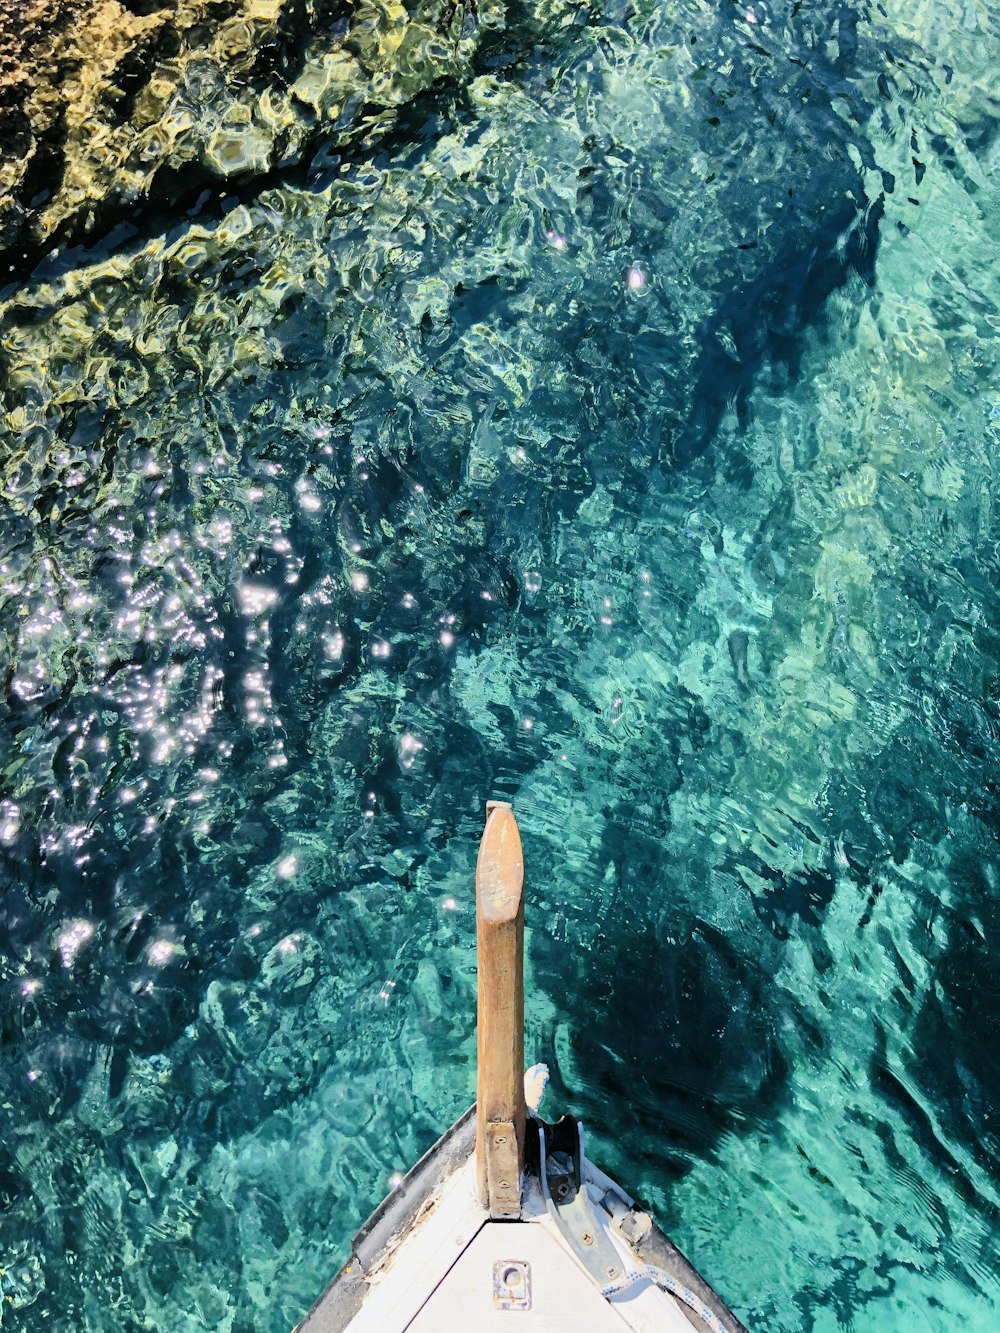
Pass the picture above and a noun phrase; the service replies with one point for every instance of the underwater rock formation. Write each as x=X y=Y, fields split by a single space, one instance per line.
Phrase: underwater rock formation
x=105 y=104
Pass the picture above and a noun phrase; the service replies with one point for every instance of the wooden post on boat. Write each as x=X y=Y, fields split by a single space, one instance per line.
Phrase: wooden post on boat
x=500 y=1071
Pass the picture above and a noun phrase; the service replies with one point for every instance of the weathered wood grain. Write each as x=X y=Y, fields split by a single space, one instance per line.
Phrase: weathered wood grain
x=500 y=1073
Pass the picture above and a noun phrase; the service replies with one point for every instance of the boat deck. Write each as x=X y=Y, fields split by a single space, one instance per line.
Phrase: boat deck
x=516 y=1258
x=431 y=1260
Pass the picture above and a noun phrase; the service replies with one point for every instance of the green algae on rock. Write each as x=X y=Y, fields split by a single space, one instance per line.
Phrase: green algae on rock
x=104 y=105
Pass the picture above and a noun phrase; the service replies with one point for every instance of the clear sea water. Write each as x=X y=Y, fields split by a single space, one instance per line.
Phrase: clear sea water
x=617 y=436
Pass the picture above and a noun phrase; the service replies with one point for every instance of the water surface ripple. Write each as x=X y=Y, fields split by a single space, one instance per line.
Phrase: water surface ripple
x=621 y=438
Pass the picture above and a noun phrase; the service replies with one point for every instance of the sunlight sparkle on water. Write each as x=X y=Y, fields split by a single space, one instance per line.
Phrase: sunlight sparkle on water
x=256 y=598
x=71 y=939
x=160 y=952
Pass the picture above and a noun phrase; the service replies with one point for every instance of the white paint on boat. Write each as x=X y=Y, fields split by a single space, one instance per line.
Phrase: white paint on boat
x=563 y=1300
x=421 y=1257
x=438 y=1275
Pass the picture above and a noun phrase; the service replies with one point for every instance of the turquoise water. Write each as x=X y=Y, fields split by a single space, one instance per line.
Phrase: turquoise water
x=617 y=436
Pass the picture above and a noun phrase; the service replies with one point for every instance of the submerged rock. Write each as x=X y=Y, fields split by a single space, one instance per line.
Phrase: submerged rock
x=108 y=105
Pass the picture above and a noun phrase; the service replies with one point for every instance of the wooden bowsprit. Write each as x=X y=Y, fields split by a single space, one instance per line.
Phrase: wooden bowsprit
x=500 y=1111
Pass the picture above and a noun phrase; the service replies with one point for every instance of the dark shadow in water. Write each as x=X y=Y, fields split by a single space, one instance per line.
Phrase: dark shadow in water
x=956 y=1033
x=768 y=318
x=672 y=1039
x=790 y=900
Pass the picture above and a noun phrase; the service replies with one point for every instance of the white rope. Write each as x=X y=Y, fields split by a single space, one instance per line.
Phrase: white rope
x=536 y=1080
x=663 y=1279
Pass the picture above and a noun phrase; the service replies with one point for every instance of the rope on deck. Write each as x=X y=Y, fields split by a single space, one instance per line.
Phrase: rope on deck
x=662 y=1279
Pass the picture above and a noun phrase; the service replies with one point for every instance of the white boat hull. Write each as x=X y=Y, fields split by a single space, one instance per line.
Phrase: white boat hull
x=431 y=1260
